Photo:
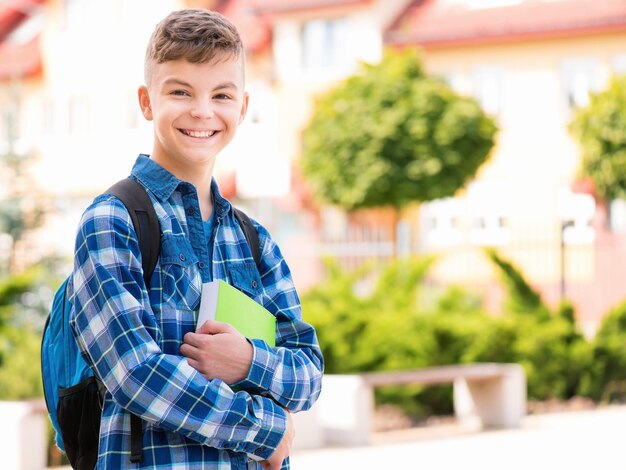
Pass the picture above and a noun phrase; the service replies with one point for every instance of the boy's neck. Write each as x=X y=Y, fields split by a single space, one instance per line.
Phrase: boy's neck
x=200 y=176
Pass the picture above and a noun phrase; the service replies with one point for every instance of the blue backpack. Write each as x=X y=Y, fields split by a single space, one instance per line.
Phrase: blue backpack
x=73 y=394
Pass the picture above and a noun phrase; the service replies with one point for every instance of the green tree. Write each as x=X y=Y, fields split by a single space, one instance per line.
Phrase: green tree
x=20 y=375
x=391 y=135
x=20 y=209
x=600 y=128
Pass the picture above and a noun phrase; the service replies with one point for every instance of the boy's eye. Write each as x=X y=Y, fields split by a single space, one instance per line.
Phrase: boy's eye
x=179 y=93
x=222 y=96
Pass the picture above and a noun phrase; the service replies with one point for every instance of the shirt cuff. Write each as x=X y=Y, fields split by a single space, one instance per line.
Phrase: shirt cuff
x=264 y=444
x=262 y=369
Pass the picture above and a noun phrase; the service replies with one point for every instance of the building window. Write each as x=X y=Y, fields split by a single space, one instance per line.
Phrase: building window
x=576 y=212
x=78 y=115
x=487 y=86
x=441 y=222
x=617 y=215
x=619 y=64
x=489 y=214
x=78 y=14
x=324 y=44
x=7 y=125
x=581 y=77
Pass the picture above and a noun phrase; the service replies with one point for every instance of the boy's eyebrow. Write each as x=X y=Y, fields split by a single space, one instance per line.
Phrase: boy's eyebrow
x=226 y=85
x=176 y=81
x=220 y=86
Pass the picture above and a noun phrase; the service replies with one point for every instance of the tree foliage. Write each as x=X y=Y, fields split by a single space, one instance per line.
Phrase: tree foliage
x=600 y=129
x=20 y=340
x=391 y=135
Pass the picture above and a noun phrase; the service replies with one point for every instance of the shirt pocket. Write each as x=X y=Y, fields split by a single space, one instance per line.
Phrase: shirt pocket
x=246 y=278
x=181 y=282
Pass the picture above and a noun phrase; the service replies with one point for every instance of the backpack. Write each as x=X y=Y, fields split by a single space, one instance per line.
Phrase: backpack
x=73 y=394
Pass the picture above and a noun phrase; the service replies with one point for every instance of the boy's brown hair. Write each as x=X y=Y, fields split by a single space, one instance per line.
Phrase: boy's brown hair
x=195 y=35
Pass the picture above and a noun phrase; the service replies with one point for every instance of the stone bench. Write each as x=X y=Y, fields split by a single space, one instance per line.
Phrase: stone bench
x=488 y=394
x=24 y=434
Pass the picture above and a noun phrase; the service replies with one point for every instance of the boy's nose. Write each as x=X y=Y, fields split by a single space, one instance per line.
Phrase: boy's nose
x=202 y=110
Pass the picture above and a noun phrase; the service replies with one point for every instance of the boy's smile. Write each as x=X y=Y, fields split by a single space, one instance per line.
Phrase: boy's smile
x=196 y=109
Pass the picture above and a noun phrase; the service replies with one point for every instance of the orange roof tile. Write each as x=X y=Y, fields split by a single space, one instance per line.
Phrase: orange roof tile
x=286 y=6
x=13 y=12
x=437 y=23
x=255 y=30
x=20 y=60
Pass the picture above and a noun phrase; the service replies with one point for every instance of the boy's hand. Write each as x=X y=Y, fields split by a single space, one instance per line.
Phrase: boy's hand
x=218 y=351
x=275 y=462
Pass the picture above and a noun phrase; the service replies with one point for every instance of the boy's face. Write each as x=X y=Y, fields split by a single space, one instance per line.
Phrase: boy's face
x=196 y=109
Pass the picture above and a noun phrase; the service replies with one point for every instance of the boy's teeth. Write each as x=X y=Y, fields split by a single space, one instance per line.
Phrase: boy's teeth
x=200 y=134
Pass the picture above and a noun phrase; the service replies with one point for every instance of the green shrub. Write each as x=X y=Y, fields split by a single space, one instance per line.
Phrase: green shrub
x=607 y=380
x=367 y=333
x=21 y=317
x=394 y=328
x=548 y=344
x=20 y=370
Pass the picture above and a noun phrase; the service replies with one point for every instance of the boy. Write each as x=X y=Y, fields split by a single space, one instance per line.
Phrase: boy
x=212 y=398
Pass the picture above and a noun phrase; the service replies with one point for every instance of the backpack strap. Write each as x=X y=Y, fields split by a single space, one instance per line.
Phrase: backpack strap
x=249 y=231
x=139 y=205
x=145 y=221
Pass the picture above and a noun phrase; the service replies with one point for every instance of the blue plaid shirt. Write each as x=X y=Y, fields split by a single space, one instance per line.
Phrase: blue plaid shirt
x=132 y=336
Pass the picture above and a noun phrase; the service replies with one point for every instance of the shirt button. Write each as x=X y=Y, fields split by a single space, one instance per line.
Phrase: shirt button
x=182 y=257
x=201 y=265
x=254 y=284
x=191 y=211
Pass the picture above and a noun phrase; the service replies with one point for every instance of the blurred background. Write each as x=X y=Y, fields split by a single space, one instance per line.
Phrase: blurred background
x=457 y=167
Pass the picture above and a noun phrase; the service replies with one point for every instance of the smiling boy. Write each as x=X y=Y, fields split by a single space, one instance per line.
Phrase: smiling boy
x=212 y=398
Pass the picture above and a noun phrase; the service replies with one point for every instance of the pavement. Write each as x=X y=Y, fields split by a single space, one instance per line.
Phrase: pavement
x=571 y=440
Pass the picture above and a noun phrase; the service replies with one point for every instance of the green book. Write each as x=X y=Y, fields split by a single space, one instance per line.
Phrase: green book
x=222 y=302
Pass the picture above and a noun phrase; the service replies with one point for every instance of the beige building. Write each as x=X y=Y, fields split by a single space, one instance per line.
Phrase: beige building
x=528 y=62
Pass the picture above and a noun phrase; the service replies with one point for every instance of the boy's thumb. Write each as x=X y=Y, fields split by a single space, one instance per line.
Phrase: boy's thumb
x=213 y=327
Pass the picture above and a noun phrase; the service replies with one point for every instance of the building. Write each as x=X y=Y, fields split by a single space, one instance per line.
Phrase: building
x=528 y=62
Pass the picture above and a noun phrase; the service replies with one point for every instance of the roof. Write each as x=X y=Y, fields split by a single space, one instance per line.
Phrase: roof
x=255 y=30
x=18 y=58
x=442 y=23
x=289 y=6
x=253 y=18
x=13 y=13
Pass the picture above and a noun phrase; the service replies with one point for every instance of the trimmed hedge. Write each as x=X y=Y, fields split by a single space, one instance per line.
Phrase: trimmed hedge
x=398 y=325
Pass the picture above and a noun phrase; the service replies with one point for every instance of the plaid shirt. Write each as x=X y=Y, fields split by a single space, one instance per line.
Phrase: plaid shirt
x=132 y=336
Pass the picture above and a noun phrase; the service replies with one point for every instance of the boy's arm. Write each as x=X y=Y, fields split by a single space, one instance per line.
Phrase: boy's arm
x=291 y=373
x=116 y=330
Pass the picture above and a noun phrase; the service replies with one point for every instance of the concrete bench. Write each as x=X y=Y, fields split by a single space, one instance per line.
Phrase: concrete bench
x=488 y=395
x=23 y=435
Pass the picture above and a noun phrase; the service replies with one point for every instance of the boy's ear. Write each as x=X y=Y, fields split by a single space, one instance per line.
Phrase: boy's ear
x=144 y=102
x=244 y=107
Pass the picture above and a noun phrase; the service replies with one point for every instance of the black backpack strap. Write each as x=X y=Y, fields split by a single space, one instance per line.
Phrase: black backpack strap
x=249 y=231
x=136 y=433
x=146 y=224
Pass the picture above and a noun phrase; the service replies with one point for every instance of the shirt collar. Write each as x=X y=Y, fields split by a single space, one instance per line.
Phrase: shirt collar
x=154 y=177
x=162 y=183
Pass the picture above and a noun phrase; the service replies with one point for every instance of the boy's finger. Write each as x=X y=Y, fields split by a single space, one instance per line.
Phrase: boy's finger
x=194 y=339
x=189 y=351
x=213 y=327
